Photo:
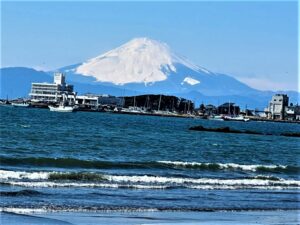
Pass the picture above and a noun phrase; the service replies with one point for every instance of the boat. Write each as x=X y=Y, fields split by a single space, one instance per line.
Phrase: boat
x=20 y=104
x=215 y=117
x=133 y=109
x=236 y=118
x=61 y=108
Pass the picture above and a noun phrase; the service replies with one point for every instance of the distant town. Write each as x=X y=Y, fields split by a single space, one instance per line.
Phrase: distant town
x=60 y=96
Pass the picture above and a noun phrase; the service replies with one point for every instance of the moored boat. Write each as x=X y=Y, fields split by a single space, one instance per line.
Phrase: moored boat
x=236 y=118
x=61 y=108
x=20 y=104
x=215 y=117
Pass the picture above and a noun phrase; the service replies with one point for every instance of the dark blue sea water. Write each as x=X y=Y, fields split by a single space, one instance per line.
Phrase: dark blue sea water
x=103 y=161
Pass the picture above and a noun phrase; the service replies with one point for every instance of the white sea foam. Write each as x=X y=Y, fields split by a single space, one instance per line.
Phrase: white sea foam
x=41 y=179
x=45 y=184
x=6 y=174
x=202 y=181
x=49 y=209
x=23 y=210
x=223 y=165
x=228 y=187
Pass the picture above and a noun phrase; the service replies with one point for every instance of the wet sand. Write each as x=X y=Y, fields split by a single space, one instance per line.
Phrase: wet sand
x=165 y=218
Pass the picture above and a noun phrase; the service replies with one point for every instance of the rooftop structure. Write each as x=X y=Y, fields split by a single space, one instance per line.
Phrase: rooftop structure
x=59 y=78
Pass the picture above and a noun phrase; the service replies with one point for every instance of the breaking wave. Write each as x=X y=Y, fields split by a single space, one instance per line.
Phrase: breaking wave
x=90 y=164
x=45 y=184
x=231 y=166
x=93 y=180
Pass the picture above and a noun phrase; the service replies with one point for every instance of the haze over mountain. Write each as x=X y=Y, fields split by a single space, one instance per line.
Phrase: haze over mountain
x=148 y=66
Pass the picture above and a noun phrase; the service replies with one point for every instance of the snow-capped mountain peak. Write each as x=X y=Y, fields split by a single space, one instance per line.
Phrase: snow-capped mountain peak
x=141 y=60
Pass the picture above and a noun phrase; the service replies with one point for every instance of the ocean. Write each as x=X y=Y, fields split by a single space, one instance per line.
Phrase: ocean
x=95 y=162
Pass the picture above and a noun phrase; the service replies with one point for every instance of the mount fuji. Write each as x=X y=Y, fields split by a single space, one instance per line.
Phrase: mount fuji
x=146 y=66
x=149 y=66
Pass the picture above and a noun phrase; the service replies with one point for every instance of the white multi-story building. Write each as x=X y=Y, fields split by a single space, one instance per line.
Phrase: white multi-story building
x=276 y=109
x=52 y=92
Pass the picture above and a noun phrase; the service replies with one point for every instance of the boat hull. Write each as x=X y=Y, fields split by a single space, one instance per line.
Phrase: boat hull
x=61 y=109
x=217 y=118
x=238 y=119
x=20 y=104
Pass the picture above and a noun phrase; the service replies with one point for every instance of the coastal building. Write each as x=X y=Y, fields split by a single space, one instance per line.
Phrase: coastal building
x=276 y=108
x=229 y=108
x=87 y=101
x=111 y=100
x=52 y=92
x=292 y=112
x=94 y=101
x=210 y=110
x=297 y=112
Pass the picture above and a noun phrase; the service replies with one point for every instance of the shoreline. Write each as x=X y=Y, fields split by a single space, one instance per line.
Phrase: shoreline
x=252 y=119
x=268 y=217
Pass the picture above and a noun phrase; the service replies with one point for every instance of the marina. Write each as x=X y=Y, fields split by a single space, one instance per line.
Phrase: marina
x=61 y=97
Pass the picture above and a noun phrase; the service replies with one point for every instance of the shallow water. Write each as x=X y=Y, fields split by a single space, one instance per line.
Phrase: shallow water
x=100 y=161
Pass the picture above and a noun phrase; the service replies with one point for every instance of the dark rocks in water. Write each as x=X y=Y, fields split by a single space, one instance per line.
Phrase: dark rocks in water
x=223 y=130
x=228 y=130
x=291 y=134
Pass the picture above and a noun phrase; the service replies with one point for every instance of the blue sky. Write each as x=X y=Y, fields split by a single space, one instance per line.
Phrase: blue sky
x=256 y=42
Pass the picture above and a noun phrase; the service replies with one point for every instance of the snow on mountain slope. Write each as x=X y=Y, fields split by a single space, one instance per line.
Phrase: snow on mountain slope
x=141 y=60
x=190 y=81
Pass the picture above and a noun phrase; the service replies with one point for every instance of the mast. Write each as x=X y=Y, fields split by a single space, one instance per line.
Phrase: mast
x=147 y=105
x=173 y=105
x=159 y=102
x=123 y=99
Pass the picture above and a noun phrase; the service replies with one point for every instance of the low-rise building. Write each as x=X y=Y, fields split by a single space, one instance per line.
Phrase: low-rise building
x=88 y=101
x=94 y=101
x=229 y=109
x=111 y=100
x=210 y=110
x=292 y=112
